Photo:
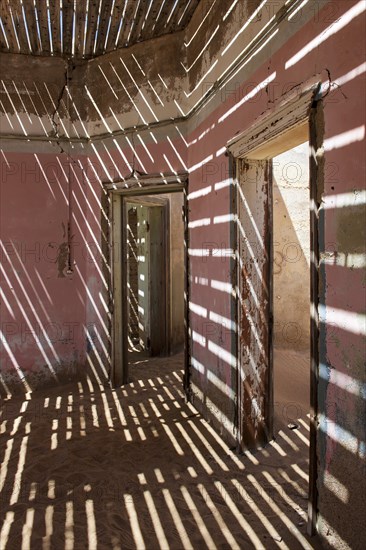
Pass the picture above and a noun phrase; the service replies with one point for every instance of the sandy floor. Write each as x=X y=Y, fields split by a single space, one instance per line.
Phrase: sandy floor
x=291 y=386
x=136 y=467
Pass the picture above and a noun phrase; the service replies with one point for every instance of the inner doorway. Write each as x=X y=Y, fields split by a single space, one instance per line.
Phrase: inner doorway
x=148 y=257
x=150 y=275
x=155 y=276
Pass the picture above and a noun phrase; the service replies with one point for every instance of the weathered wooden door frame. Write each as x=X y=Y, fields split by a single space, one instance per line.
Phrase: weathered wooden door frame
x=119 y=195
x=263 y=141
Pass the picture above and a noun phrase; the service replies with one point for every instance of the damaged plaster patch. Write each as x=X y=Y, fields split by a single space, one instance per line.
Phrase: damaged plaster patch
x=62 y=255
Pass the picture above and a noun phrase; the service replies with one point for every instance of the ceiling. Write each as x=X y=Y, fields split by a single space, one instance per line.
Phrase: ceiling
x=87 y=28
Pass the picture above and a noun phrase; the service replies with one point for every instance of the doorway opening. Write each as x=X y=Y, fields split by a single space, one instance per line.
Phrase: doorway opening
x=274 y=302
x=291 y=303
x=155 y=276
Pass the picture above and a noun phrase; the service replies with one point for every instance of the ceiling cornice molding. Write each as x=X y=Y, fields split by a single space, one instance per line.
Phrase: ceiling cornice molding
x=281 y=16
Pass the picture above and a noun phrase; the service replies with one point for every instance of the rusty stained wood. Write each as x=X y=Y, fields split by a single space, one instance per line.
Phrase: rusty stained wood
x=41 y=9
x=105 y=15
x=11 y=35
x=162 y=26
x=62 y=27
x=140 y=22
x=20 y=25
x=114 y=27
x=32 y=27
x=92 y=26
x=4 y=40
x=3 y=43
x=67 y=26
x=253 y=303
x=126 y=24
x=184 y=13
x=316 y=139
x=80 y=29
x=154 y=12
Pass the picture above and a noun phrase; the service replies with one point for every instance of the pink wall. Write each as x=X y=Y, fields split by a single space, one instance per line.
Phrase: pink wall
x=44 y=311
